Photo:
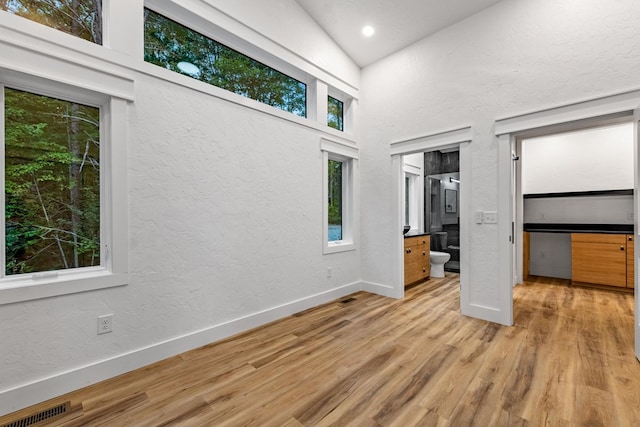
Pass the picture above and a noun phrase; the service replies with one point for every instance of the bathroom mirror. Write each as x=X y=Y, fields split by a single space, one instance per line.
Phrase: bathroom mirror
x=450 y=201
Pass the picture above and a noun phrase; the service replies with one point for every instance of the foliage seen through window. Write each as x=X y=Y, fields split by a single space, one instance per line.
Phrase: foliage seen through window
x=335 y=200
x=335 y=115
x=81 y=18
x=183 y=50
x=52 y=183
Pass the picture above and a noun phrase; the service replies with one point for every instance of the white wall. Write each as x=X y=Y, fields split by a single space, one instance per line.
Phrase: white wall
x=225 y=216
x=516 y=57
x=588 y=160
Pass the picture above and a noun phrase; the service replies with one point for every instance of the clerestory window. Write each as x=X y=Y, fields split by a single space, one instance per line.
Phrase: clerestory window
x=81 y=18
x=178 y=48
x=335 y=113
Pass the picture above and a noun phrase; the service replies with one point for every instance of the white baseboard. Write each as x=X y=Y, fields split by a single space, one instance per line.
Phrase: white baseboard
x=490 y=314
x=25 y=395
x=378 y=289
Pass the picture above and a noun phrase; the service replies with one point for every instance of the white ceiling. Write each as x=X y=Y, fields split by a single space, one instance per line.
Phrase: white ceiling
x=398 y=23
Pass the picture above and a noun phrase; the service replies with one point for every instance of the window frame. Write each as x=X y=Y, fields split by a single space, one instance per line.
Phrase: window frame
x=348 y=155
x=113 y=270
x=342 y=104
x=412 y=174
x=286 y=71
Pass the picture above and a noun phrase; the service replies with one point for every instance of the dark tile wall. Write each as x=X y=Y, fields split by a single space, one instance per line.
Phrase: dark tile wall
x=436 y=162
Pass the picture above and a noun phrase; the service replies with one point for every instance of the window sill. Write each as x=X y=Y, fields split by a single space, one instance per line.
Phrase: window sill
x=32 y=289
x=336 y=247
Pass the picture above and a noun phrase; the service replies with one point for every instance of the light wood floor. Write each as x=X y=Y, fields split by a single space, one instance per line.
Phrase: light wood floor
x=373 y=361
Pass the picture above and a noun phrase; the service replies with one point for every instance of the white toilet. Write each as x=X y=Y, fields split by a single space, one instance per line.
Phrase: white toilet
x=438 y=260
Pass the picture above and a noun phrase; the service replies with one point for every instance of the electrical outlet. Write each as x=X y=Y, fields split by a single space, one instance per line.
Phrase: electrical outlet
x=490 y=217
x=328 y=271
x=630 y=215
x=541 y=216
x=105 y=324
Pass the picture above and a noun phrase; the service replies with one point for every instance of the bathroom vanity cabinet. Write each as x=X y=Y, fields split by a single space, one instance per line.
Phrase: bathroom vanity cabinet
x=416 y=259
x=602 y=259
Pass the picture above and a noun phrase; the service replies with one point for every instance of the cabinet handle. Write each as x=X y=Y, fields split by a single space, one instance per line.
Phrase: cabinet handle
x=630 y=238
x=424 y=269
x=622 y=248
x=424 y=253
x=409 y=250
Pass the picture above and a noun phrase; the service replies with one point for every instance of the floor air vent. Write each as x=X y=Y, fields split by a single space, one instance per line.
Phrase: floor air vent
x=46 y=415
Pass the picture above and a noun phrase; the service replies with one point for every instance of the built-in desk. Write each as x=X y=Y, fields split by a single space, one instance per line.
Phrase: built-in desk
x=601 y=254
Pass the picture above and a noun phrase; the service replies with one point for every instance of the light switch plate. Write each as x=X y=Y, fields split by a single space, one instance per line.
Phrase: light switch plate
x=490 y=217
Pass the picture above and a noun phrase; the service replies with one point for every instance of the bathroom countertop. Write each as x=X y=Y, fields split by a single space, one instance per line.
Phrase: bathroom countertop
x=416 y=233
x=579 y=228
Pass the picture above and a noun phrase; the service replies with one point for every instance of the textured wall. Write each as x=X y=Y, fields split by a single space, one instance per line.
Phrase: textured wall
x=516 y=57
x=588 y=160
x=225 y=221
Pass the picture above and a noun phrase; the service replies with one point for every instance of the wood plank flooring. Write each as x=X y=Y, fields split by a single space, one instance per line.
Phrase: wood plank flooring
x=366 y=360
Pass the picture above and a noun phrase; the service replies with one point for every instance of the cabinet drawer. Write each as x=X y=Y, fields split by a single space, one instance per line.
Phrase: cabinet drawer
x=618 y=239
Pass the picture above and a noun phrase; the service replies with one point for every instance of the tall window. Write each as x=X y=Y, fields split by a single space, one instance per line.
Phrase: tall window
x=334 y=200
x=178 y=48
x=339 y=204
x=335 y=115
x=82 y=18
x=52 y=183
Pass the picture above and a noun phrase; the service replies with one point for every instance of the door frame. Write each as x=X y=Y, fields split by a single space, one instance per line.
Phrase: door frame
x=458 y=138
x=579 y=115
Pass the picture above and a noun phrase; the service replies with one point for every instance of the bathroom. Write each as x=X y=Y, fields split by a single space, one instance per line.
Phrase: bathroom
x=431 y=203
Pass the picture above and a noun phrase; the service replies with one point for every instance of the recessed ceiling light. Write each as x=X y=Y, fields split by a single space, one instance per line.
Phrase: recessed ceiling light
x=368 y=30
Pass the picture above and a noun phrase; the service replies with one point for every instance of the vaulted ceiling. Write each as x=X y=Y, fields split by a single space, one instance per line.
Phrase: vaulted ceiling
x=397 y=23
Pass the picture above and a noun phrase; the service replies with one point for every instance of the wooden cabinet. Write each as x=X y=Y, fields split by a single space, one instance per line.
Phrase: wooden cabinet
x=601 y=259
x=630 y=263
x=416 y=259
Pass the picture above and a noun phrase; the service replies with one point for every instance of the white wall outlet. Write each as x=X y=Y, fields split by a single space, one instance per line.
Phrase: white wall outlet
x=541 y=215
x=478 y=217
x=105 y=324
x=328 y=271
x=630 y=215
x=490 y=217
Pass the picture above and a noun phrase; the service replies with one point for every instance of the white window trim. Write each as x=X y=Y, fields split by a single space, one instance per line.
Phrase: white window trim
x=348 y=154
x=113 y=158
x=413 y=174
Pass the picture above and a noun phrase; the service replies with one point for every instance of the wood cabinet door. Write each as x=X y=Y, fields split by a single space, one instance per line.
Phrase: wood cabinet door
x=631 y=278
x=599 y=263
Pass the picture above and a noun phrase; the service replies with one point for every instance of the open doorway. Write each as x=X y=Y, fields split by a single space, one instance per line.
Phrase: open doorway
x=444 y=196
x=577 y=206
x=584 y=115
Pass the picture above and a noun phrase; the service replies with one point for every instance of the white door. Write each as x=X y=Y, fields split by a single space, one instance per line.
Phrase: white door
x=506 y=218
x=514 y=236
x=636 y=168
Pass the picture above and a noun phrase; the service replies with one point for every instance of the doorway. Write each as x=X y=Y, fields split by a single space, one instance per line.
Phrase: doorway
x=589 y=114
x=459 y=141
